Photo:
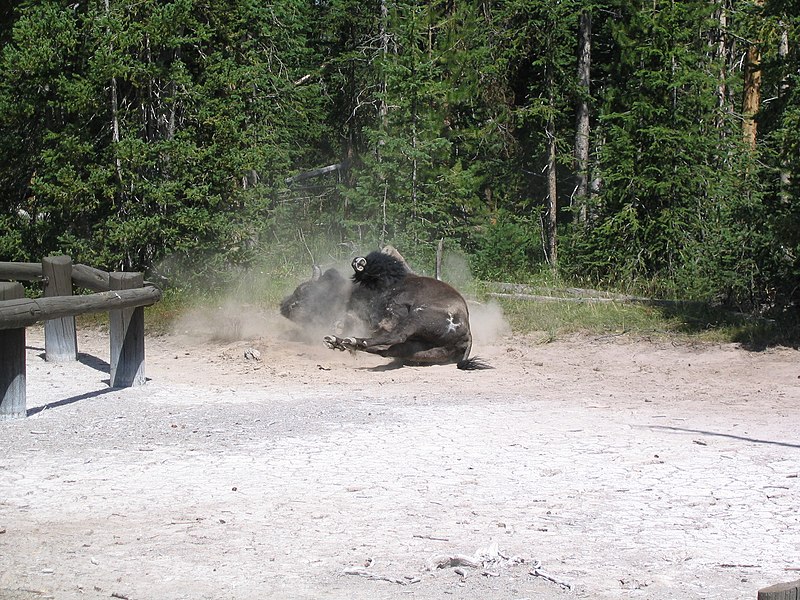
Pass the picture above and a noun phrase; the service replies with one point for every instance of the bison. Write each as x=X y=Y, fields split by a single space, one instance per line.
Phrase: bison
x=413 y=319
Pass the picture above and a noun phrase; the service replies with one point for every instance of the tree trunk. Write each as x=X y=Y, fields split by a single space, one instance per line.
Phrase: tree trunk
x=723 y=57
x=383 y=109
x=552 y=187
x=383 y=112
x=751 y=102
x=783 y=53
x=414 y=171
x=752 y=95
x=552 y=202
x=582 y=121
x=114 y=110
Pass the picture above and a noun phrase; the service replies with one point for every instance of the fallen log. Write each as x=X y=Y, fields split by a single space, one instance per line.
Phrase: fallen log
x=317 y=172
x=522 y=288
x=539 y=298
x=539 y=573
x=592 y=300
x=361 y=572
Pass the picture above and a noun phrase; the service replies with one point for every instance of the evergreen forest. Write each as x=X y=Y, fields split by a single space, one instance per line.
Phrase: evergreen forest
x=638 y=145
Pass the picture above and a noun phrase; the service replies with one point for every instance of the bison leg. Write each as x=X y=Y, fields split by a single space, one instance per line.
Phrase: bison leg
x=336 y=343
x=384 y=343
x=363 y=344
x=409 y=351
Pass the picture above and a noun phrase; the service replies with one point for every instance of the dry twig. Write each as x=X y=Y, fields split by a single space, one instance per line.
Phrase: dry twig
x=361 y=572
x=536 y=572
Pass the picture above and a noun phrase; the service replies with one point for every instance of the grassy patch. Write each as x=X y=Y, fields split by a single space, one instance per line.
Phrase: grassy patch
x=686 y=321
x=563 y=318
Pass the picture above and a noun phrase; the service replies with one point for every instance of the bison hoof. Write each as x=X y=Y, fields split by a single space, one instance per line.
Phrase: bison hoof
x=337 y=343
x=332 y=342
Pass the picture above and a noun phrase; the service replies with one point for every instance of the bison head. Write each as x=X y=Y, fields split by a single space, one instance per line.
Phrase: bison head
x=319 y=302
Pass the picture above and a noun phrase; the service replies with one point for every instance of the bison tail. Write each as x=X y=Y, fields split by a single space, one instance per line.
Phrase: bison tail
x=473 y=364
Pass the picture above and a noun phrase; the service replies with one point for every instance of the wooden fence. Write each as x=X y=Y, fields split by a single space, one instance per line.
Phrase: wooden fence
x=781 y=591
x=123 y=295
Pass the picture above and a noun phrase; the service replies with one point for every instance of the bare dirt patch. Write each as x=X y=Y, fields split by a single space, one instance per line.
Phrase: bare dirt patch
x=626 y=468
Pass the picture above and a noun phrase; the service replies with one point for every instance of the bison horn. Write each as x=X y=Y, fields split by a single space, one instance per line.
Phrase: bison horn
x=359 y=263
x=316 y=272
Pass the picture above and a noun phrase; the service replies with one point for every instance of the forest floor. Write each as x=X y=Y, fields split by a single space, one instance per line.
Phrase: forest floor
x=618 y=466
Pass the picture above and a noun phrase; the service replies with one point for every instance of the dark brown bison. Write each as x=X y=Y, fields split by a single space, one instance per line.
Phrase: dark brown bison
x=415 y=320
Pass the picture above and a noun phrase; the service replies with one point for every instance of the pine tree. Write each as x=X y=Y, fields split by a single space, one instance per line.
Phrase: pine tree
x=158 y=121
x=539 y=41
x=777 y=147
x=674 y=180
x=416 y=179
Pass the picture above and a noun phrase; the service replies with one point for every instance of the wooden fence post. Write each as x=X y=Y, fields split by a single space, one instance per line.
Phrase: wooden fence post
x=12 y=362
x=781 y=591
x=126 y=330
x=60 y=341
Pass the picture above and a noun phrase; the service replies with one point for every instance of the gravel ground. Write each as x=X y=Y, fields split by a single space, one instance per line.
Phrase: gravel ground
x=620 y=468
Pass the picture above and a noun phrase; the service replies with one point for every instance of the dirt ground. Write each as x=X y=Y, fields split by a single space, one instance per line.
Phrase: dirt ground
x=618 y=467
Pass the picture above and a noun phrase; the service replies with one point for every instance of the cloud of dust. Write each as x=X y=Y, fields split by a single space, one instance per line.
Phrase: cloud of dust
x=487 y=321
x=229 y=320
x=251 y=310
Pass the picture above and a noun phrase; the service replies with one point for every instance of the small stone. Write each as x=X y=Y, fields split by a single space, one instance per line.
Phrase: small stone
x=252 y=354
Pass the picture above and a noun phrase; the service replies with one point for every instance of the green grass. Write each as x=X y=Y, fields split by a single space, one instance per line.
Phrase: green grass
x=563 y=318
x=689 y=322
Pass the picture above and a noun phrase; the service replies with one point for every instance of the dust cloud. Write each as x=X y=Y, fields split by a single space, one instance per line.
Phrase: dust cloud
x=487 y=321
x=230 y=320
x=250 y=311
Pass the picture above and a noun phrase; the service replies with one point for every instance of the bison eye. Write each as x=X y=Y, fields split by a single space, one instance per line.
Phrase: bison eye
x=359 y=263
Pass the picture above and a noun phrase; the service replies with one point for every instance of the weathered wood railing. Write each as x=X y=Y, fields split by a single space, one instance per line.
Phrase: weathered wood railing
x=124 y=295
x=781 y=591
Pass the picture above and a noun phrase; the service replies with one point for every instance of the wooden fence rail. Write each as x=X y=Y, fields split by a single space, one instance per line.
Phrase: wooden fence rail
x=781 y=591
x=123 y=295
x=25 y=311
x=82 y=275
